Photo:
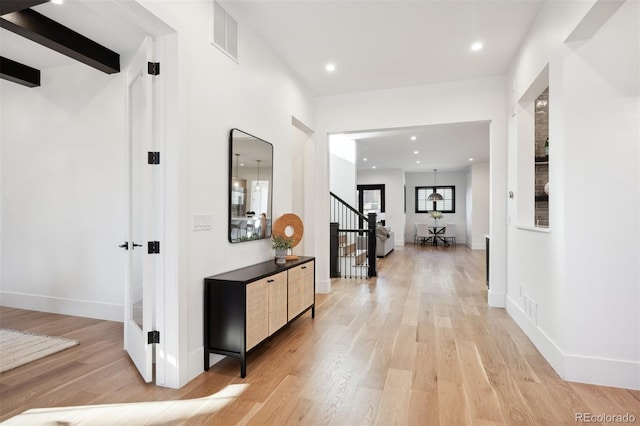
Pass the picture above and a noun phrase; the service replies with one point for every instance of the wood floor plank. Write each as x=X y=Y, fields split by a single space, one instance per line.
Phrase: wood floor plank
x=396 y=398
x=417 y=345
x=481 y=397
x=452 y=404
x=363 y=407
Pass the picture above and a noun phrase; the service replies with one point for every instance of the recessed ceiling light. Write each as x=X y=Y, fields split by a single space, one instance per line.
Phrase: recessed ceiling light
x=242 y=164
x=476 y=46
x=470 y=159
x=417 y=161
x=373 y=167
x=330 y=67
x=413 y=138
x=56 y=1
x=416 y=152
x=364 y=159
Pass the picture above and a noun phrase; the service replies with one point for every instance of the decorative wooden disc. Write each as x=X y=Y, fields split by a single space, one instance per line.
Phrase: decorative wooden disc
x=289 y=219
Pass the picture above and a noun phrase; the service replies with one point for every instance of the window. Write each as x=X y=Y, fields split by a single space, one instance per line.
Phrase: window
x=371 y=200
x=447 y=205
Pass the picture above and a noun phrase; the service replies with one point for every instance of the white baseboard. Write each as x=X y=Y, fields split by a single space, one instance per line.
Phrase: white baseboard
x=602 y=371
x=547 y=347
x=495 y=299
x=196 y=363
x=577 y=368
x=477 y=246
x=59 y=305
x=323 y=287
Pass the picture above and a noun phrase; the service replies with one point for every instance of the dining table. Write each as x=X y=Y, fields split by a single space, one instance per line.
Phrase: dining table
x=438 y=234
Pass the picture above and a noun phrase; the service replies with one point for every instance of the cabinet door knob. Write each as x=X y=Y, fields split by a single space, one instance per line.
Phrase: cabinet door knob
x=304 y=267
x=270 y=281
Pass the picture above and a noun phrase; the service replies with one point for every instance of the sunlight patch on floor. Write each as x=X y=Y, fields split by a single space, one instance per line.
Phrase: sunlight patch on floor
x=137 y=413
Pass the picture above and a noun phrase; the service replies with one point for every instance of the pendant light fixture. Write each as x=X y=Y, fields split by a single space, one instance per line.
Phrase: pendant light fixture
x=237 y=176
x=434 y=196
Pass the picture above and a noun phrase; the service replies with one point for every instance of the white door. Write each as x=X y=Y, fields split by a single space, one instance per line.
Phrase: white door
x=138 y=306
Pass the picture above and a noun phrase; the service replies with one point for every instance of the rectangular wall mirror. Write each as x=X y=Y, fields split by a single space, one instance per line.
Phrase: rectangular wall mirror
x=250 y=187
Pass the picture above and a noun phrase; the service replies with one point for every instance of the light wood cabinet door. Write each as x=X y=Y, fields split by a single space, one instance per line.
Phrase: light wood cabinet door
x=301 y=288
x=308 y=278
x=277 y=301
x=257 y=313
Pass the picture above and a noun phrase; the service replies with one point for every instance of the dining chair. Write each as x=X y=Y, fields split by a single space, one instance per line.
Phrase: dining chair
x=235 y=229
x=422 y=233
x=450 y=234
x=242 y=227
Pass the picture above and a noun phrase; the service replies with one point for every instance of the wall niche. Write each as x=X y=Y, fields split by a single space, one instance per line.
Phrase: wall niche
x=541 y=174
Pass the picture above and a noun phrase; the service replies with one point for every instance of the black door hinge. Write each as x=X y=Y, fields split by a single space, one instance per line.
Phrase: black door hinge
x=154 y=247
x=153 y=337
x=153 y=68
x=153 y=158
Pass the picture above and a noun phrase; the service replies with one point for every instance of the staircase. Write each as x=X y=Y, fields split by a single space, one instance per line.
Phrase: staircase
x=353 y=250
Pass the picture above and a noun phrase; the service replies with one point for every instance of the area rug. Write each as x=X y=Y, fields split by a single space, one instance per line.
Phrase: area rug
x=21 y=347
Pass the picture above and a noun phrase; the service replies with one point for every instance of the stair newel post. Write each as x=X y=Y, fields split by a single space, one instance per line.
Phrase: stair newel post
x=334 y=257
x=371 y=251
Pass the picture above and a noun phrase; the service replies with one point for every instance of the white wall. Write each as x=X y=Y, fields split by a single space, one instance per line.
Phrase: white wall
x=393 y=179
x=476 y=100
x=258 y=95
x=610 y=341
x=457 y=179
x=63 y=194
x=584 y=284
x=469 y=212
x=342 y=180
x=478 y=179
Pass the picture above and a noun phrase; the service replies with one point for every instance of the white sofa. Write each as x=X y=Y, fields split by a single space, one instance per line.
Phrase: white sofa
x=385 y=241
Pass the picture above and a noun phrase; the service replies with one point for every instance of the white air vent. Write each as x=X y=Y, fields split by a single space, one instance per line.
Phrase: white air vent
x=225 y=31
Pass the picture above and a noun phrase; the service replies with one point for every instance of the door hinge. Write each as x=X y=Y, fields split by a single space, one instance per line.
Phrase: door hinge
x=153 y=68
x=153 y=337
x=154 y=247
x=153 y=158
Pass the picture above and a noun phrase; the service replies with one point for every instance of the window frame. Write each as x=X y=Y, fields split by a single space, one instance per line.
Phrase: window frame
x=434 y=189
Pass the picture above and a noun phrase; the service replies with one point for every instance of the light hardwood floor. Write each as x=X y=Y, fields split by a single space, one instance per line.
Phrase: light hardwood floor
x=417 y=345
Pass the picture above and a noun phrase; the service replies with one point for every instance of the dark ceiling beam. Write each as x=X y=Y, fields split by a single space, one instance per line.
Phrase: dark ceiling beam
x=47 y=32
x=19 y=73
x=8 y=6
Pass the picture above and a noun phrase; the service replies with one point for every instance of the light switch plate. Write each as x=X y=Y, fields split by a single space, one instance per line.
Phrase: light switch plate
x=202 y=222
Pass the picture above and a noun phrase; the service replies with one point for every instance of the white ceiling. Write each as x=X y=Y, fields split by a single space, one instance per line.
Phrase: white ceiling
x=445 y=147
x=386 y=44
x=375 y=45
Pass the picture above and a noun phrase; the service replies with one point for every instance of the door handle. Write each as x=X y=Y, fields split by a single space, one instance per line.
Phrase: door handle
x=124 y=246
x=136 y=245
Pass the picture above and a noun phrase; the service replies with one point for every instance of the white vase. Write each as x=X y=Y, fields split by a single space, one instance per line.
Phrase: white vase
x=281 y=256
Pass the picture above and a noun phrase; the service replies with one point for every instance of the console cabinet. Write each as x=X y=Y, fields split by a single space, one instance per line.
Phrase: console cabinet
x=243 y=308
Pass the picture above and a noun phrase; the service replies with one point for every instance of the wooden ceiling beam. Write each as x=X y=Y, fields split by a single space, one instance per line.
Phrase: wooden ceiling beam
x=49 y=33
x=19 y=73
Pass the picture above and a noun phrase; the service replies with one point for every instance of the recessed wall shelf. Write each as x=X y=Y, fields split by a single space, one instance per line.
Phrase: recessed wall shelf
x=541 y=159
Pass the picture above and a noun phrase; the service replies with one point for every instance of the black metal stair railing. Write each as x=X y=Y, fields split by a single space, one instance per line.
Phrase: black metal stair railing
x=352 y=241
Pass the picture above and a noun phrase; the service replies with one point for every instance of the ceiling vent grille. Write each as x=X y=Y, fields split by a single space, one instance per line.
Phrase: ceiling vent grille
x=225 y=31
